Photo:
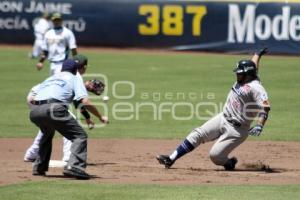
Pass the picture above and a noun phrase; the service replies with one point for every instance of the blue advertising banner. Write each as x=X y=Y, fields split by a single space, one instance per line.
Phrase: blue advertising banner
x=224 y=26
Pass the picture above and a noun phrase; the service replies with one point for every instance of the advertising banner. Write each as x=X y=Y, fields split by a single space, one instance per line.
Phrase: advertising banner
x=222 y=26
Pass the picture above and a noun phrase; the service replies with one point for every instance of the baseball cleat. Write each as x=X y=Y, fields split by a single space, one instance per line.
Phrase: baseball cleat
x=38 y=173
x=76 y=173
x=230 y=164
x=165 y=160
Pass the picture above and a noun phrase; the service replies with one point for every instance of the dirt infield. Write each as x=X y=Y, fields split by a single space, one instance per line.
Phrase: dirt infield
x=130 y=161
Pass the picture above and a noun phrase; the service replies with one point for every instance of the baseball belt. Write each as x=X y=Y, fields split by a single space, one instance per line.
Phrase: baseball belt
x=232 y=121
x=45 y=101
x=59 y=61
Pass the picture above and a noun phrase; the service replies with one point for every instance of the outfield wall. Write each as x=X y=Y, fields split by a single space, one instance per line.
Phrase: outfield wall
x=228 y=26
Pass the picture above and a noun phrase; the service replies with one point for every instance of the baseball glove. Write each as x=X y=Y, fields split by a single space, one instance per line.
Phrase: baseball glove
x=95 y=86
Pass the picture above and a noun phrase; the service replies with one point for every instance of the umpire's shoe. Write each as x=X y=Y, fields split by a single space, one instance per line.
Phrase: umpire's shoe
x=38 y=173
x=230 y=164
x=165 y=160
x=76 y=173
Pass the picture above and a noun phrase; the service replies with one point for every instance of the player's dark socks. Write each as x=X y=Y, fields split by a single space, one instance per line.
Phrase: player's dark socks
x=184 y=148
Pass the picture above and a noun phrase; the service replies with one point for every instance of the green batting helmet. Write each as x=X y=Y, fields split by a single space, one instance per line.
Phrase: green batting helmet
x=81 y=60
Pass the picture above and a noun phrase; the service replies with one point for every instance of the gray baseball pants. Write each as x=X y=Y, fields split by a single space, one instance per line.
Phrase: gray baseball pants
x=55 y=117
x=218 y=128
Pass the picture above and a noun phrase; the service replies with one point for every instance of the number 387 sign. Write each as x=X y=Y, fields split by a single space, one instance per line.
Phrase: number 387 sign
x=169 y=19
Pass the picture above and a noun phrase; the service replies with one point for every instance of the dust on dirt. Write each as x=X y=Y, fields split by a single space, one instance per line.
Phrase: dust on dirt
x=132 y=161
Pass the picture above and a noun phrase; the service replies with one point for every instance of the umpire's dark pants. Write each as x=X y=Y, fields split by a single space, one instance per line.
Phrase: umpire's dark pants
x=51 y=117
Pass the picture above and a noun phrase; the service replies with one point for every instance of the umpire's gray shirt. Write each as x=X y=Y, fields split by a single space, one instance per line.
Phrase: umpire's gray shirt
x=63 y=86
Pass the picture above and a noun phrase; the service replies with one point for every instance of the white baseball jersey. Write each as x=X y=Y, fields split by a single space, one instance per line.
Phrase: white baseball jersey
x=41 y=27
x=58 y=43
x=244 y=102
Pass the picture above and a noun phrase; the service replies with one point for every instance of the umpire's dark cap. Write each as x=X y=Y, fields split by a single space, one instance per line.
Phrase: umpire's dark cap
x=70 y=65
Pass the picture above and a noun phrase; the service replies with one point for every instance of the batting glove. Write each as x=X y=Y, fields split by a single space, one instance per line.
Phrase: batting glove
x=262 y=51
x=256 y=130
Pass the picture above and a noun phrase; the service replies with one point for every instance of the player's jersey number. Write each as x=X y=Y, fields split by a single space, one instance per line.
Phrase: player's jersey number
x=171 y=23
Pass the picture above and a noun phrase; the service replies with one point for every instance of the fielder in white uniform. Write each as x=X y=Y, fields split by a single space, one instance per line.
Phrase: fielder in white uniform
x=246 y=100
x=40 y=28
x=57 y=43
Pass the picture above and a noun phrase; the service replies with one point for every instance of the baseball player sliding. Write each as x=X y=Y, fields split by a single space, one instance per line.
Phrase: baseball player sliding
x=246 y=100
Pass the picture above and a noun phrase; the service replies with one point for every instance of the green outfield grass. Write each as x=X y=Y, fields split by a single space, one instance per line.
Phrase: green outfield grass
x=72 y=191
x=153 y=74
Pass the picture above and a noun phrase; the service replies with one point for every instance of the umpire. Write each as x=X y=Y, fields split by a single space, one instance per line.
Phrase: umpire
x=49 y=111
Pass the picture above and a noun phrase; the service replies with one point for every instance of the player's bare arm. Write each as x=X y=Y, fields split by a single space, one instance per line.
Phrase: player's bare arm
x=263 y=116
x=85 y=113
x=92 y=109
x=42 y=59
